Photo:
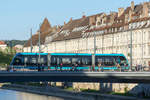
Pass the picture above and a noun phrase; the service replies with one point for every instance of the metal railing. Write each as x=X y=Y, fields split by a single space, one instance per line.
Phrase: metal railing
x=138 y=68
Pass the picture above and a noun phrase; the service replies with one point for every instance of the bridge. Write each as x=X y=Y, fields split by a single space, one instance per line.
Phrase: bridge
x=66 y=76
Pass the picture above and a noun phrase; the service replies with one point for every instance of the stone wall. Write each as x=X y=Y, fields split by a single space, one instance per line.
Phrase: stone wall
x=106 y=87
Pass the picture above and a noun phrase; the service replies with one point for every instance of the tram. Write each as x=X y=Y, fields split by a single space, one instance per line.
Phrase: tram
x=68 y=61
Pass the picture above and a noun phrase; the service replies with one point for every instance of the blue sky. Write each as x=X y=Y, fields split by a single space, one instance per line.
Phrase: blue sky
x=17 y=17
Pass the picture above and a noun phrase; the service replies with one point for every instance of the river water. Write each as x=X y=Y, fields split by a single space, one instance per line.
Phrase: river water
x=15 y=95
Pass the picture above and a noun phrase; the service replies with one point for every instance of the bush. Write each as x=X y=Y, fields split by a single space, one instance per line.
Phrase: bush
x=5 y=58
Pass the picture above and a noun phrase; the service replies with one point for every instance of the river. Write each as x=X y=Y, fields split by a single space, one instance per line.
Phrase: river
x=15 y=95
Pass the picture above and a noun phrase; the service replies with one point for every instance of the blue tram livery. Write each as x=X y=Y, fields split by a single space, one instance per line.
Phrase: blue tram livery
x=68 y=61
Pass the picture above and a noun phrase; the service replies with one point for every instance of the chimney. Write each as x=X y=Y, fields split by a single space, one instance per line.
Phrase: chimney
x=120 y=11
x=64 y=23
x=92 y=20
x=145 y=10
x=112 y=17
x=71 y=19
x=130 y=15
x=132 y=5
x=83 y=16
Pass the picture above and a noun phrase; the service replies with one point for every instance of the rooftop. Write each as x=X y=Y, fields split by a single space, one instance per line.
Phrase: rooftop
x=132 y=17
x=2 y=43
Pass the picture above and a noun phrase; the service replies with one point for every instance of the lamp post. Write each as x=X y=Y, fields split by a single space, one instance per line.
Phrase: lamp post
x=142 y=50
x=31 y=40
x=102 y=43
x=39 y=48
x=131 y=49
x=93 y=63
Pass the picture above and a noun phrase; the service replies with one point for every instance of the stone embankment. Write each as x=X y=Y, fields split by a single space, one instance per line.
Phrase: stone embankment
x=54 y=91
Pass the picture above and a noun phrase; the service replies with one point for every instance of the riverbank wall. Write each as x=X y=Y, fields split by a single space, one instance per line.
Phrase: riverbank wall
x=106 y=87
x=57 y=92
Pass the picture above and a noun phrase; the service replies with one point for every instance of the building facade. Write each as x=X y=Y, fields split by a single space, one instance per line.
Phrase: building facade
x=3 y=46
x=114 y=33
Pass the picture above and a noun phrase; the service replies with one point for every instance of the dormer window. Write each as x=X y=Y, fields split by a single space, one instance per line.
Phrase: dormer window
x=116 y=30
x=65 y=32
x=110 y=30
x=148 y=23
x=79 y=28
x=130 y=26
x=137 y=24
x=133 y=25
x=98 y=23
x=113 y=30
x=149 y=12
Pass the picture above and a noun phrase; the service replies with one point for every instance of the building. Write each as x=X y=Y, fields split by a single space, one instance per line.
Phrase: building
x=18 y=48
x=113 y=34
x=3 y=46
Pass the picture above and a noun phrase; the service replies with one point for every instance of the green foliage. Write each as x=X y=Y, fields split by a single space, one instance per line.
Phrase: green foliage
x=69 y=89
x=5 y=58
x=121 y=94
x=29 y=83
x=12 y=43
x=89 y=90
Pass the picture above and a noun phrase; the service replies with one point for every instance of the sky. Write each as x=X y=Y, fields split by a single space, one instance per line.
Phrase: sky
x=17 y=17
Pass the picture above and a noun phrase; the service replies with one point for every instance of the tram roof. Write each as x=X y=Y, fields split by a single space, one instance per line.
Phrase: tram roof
x=25 y=53
x=72 y=54
x=69 y=54
x=109 y=54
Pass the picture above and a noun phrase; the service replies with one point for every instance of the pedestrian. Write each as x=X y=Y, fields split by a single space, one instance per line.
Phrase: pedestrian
x=73 y=66
x=61 y=65
x=118 y=66
x=99 y=65
x=136 y=67
x=76 y=66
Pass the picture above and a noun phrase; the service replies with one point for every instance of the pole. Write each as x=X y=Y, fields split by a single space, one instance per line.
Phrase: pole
x=113 y=43
x=39 y=41
x=31 y=40
x=94 y=51
x=39 y=47
x=102 y=43
x=11 y=51
x=131 y=50
x=142 y=52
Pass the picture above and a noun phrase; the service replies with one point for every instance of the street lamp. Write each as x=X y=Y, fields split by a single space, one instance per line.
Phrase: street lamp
x=93 y=63
x=39 y=47
x=131 y=49
x=31 y=41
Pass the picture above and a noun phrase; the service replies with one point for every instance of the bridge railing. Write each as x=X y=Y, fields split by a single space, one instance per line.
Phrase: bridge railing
x=23 y=69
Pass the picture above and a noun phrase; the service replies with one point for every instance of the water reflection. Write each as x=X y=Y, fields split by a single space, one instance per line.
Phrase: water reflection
x=14 y=95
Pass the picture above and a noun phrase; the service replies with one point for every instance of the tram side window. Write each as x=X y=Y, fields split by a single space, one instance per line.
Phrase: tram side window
x=66 y=61
x=26 y=60
x=42 y=61
x=55 y=61
x=86 y=61
x=29 y=60
x=33 y=60
x=99 y=60
x=17 y=61
x=109 y=61
x=76 y=61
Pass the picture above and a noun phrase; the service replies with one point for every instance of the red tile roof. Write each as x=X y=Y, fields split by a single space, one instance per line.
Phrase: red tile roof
x=2 y=43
